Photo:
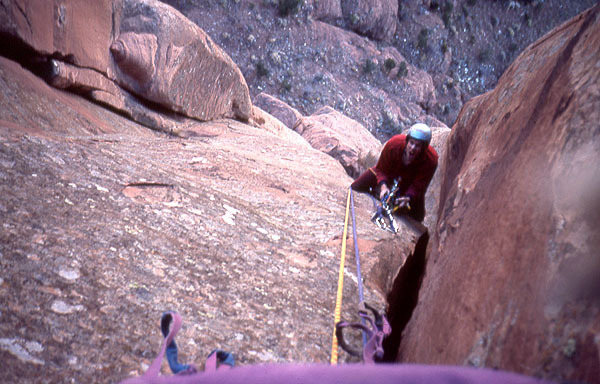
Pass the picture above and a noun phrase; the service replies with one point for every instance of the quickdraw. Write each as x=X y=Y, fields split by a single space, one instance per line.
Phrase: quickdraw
x=384 y=213
x=379 y=329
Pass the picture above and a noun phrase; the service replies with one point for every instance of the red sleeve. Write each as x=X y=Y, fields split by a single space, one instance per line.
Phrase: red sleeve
x=419 y=186
x=388 y=159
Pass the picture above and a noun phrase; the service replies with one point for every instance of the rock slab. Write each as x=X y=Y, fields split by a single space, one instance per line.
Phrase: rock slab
x=106 y=224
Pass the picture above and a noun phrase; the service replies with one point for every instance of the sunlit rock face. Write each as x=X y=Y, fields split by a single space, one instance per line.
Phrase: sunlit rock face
x=512 y=276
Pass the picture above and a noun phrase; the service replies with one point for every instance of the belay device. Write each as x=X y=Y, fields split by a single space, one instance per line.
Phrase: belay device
x=383 y=215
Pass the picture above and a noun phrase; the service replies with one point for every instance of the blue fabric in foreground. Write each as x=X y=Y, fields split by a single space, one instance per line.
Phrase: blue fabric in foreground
x=171 y=352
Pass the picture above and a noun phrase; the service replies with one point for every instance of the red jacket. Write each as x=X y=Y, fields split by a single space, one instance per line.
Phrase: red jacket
x=415 y=177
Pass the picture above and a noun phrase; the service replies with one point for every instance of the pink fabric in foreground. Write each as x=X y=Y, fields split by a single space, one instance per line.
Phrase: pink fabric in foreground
x=344 y=374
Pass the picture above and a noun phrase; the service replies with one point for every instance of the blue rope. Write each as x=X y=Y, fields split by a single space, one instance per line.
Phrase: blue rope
x=358 y=274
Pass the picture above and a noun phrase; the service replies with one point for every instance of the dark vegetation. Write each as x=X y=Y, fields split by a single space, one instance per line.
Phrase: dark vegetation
x=288 y=7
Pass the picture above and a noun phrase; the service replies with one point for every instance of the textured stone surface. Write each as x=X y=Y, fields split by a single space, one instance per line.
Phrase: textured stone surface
x=279 y=109
x=146 y=47
x=164 y=57
x=374 y=18
x=106 y=224
x=340 y=137
x=464 y=45
x=512 y=278
x=102 y=90
x=439 y=137
x=30 y=104
x=62 y=28
x=268 y=122
x=405 y=97
x=326 y=10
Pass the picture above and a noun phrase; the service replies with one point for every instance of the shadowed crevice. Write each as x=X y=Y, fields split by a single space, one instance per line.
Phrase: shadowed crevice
x=403 y=297
x=16 y=50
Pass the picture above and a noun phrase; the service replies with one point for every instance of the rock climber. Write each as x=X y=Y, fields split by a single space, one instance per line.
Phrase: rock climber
x=409 y=157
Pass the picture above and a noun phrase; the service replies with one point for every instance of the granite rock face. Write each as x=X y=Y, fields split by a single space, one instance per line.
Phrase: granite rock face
x=512 y=276
x=106 y=224
x=116 y=52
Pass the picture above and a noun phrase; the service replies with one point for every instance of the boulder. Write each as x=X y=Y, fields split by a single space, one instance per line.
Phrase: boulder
x=512 y=276
x=326 y=10
x=340 y=137
x=146 y=47
x=374 y=18
x=25 y=108
x=162 y=56
x=318 y=63
x=106 y=92
x=279 y=109
x=79 y=32
x=268 y=122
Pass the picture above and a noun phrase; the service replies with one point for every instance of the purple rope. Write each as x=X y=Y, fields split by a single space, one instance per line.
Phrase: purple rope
x=358 y=274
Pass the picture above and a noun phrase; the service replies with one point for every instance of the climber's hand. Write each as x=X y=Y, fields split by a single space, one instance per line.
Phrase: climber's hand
x=383 y=191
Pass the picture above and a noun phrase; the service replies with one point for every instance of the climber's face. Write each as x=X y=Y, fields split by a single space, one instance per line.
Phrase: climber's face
x=412 y=150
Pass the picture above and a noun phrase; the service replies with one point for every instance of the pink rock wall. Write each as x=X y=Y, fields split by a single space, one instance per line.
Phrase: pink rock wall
x=512 y=273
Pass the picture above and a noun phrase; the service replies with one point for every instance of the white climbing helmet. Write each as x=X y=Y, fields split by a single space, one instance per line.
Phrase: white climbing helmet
x=420 y=132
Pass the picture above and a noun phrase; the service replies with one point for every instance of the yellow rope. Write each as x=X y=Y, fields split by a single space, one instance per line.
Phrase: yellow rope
x=338 y=301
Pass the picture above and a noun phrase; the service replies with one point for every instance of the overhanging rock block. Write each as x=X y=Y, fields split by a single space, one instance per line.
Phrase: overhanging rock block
x=146 y=47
